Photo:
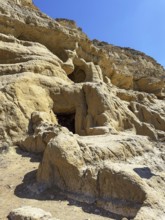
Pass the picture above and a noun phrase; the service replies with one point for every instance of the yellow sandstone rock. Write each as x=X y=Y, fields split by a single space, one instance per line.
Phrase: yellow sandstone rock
x=95 y=111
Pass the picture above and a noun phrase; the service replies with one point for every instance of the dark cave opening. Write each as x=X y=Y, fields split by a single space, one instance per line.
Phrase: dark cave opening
x=67 y=120
x=78 y=75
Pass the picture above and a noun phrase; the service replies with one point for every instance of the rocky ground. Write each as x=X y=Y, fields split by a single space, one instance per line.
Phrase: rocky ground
x=18 y=187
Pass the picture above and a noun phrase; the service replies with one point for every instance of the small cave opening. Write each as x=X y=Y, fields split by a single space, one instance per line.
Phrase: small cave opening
x=67 y=120
x=78 y=75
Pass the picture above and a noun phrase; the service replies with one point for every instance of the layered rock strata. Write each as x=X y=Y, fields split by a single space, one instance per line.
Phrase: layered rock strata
x=110 y=98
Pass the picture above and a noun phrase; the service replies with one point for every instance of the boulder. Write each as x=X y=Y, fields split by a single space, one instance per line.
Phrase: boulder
x=28 y=212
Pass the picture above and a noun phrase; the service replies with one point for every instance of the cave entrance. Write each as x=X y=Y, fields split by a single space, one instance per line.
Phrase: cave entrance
x=78 y=75
x=67 y=120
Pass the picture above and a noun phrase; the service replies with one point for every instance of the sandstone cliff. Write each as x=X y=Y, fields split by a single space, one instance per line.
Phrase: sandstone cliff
x=110 y=98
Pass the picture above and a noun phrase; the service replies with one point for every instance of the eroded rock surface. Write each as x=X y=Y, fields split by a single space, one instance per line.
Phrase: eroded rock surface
x=28 y=212
x=95 y=111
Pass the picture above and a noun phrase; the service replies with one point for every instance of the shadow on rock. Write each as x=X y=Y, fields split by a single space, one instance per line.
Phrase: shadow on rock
x=30 y=189
x=144 y=172
x=92 y=208
x=33 y=157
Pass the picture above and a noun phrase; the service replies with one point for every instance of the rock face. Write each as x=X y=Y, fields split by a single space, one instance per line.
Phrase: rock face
x=95 y=111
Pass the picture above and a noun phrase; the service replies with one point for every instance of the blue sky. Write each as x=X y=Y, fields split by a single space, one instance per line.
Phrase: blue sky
x=139 y=24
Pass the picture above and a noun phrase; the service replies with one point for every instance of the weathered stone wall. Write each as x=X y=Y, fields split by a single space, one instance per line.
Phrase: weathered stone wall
x=111 y=97
x=23 y=2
